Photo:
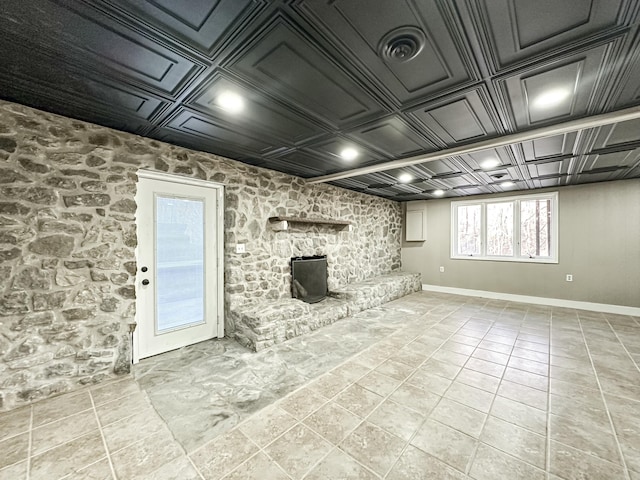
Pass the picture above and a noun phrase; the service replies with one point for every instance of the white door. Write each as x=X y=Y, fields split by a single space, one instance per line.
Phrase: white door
x=179 y=281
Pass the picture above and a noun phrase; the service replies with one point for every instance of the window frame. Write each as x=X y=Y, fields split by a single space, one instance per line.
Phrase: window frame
x=515 y=201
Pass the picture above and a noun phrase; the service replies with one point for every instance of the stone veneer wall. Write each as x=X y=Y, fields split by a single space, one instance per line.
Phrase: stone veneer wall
x=68 y=237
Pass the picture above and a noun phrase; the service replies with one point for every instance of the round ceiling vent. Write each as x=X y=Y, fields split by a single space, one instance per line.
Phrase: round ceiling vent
x=402 y=44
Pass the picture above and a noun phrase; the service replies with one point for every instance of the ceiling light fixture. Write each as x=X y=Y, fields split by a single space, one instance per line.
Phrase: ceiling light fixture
x=551 y=98
x=438 y=193
x=231 y=102
x=490 y=163
x=507 y=184
x=405 y=177
x=349 y=153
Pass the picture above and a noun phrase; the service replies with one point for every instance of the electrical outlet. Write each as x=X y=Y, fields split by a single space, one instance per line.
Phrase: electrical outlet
x=441 y=269
x=240 y=248
x=569 y=278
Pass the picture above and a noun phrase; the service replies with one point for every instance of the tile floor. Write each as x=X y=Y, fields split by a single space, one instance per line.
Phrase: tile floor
x=463 y=388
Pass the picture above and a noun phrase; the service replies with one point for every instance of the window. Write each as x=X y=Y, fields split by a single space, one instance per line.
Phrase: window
x=521 y=229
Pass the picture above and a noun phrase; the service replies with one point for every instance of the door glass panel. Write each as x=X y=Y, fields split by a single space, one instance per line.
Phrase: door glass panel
x=179 y=262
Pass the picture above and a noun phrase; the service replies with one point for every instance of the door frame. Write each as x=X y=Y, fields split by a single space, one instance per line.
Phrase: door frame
x=219 y=234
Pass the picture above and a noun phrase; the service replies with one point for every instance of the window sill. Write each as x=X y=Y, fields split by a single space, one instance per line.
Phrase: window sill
x=507 y=259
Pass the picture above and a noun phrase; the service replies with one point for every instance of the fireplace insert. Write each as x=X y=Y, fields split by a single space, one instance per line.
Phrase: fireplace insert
x=309 y=278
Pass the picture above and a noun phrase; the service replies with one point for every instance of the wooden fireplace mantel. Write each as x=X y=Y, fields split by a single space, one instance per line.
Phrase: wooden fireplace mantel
x=279 y=224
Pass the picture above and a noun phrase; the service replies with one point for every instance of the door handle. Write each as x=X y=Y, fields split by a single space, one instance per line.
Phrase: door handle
x=145 y=282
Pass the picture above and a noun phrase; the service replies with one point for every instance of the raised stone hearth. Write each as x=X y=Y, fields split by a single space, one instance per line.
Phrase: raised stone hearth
x=261 y=325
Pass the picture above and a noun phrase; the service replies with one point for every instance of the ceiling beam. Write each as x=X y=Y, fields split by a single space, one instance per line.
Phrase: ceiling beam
x=594 y=121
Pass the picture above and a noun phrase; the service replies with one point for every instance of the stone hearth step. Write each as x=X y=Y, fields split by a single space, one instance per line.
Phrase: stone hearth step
x=263 y=324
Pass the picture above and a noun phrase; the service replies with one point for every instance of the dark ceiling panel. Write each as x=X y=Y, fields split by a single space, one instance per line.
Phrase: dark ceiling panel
x=204 y=24
x=554 y=146
x=98 y=42
x=527 y=91
x=261 y=113
x=392 y=136
x=521 y=29
x=391 y=79
x=215 y=132
x=316 y=83
x=367 y=29
x=459 y=119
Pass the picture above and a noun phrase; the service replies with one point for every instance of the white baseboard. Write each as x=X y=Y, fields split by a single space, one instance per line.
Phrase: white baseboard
x=554 y=302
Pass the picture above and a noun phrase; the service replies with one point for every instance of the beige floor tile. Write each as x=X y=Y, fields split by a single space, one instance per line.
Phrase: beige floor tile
x=16 y=471
x=495 y=346
x=220 y=456
x=491 y=356
x=529 y=379
x=521 y=393
x=465 y=340
x=590 y=407
x=258 y=467
x=397 y=370
x=413 y=359
x=536 y=347
x=571 y=464
x=585 y=435
x=350 y=371
x=429 y=382
x=147 y=455
x=121 y=408
x=515 y=440
x=375 y=448
x=520 y=414
x=470 y=396
x=488 y=368
x=378 y=383
x=298 y=450
x=358 y=400
x=113 y=390
x=539 y=368
x=60 y=407
x=415 y=398
x=458 y=347
x=492 y=464
x=14 y=422
x=396 y=419
x=328 y=385
x=98 y=471
x=530 y=355
x=447 y=356
x=442 y=369
x=68 y=458
x=414 y=464
x=333 y=422
x=505 y=340
x=267 y=425
x=568 y=375
x=458 y=416
x=14 y=449
x=339 y=465
x=62 y=431
x=302 y=403
x=132 y=429
x=479 y=380
x=445 y=443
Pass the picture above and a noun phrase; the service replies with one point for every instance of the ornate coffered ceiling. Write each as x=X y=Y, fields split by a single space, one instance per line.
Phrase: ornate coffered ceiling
x=391 y=79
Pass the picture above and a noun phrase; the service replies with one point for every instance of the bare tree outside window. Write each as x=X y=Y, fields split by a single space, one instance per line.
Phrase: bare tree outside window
x=469 y=227
x=500 y=229
x=535 y=231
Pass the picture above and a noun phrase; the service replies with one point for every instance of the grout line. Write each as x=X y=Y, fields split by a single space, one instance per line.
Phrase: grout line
x=104 y=440
x=606 y=406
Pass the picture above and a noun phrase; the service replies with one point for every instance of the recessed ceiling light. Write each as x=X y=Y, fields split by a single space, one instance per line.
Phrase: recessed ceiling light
x=490 y=163
x=438 y=193
x=551 y=98
x=507 y=184
x=349 y=153
x=405 y=177
x=230 y=101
